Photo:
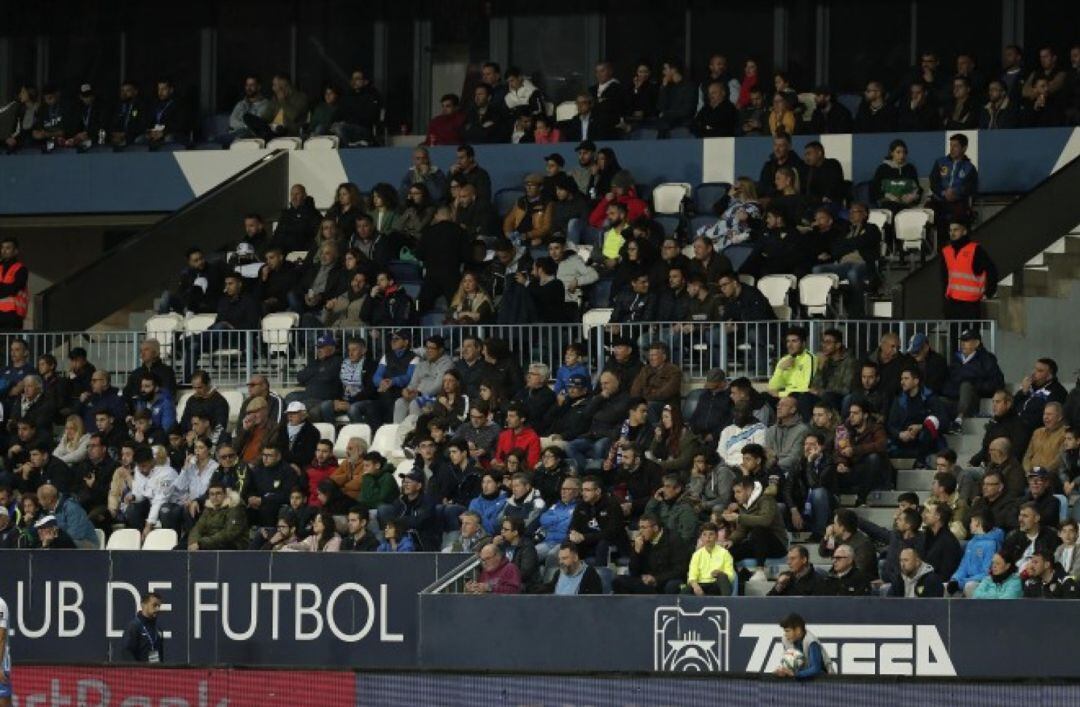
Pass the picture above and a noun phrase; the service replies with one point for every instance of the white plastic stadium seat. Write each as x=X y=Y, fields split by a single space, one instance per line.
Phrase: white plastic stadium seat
x=100 y=534
x=809 y=104
x=321 y=142
x=248 y=143
x=181 y=404
x=593 y=318
x=776 y=288
x=296 y=256
x=815 y=292
x=747 y=279
x=910 y=228
x=326 y=430
x=124 y=539
x=385 y=442
x=198 y=323
x=162 y=327
x=275 y=331
x=285 y=143
x=880 y=218
x=161 y=539
x=565 y=111
x=348 y=432
x=235 y=399
x=668 y=197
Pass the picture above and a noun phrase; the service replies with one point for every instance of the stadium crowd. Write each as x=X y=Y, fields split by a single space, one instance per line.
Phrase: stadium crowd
x=506 y=106
x=686 y=493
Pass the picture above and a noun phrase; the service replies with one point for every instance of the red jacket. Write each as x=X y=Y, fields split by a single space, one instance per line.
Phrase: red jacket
x=526 y=438
x=635 y=209
x=504 y=579
x=446 y=129
x=315 y=474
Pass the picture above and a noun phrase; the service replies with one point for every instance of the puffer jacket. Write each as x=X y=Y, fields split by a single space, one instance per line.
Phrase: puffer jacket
x=978 y=553
x=221 y=527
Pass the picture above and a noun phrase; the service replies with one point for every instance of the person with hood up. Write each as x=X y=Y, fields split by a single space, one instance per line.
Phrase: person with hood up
x=624 y=192
x=918 y=580
x=979 y=555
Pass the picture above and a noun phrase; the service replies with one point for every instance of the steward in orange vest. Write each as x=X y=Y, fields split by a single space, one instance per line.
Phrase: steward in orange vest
x=969 y=274
x=14 y=295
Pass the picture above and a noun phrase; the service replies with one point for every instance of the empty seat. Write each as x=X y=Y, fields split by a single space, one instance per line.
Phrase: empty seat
x=565 y=111
x=161 y=539
x=405 y=271
x=594 y=318
x=181 y=404
x=235 y=399
x=880 y=218
x=275 y=331
x=575 y=230
x=809 y=104
x=669 y=223
x=348 y=432
x=910 y=227
x=321 y=142
x=326 y=431
x=506 y=198
x=707 y=194
x=296 y=256
x=248 y=143
x=198 y=323
x=385 y=442
x=815 y=292
x=163 y=327
x=776 y=288
x=124 y=539
x=738 y=255
x=285 y=143
x=668 y=197
x=100 y=535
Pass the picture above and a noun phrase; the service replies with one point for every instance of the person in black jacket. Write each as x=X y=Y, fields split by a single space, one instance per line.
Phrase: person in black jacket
x=486 y=119
x=1046 y=579
x=129 y=120
x=658 y=561
x=782 y=156
x=637 y=304
x=917 y=579
x=359 y=112
x=823 y=181
x=321 y=378
x=1004 y=423
x=845 y=579
x=941 y=549
x=298 y=221
x=875 y=115
x=143 y=641
x=298 y=438
x=918 y=113
x=611 y=100
x=597 y=524
x=1037 y=389
x=389 y=305
x=574 y=576
x=830 y=117
x=718 y=117
x=932 y=365
x=445 y=246
x=801 y=579
x=547 y=292
x=207 y=402
x=278 y=277
x=569 y=418
x=320 y=282
x=169 y=119
x=359 y=538
x=237 y=313
x=267 y=490
x=199 y=289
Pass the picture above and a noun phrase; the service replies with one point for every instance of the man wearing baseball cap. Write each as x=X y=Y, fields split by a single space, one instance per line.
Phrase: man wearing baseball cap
x=933 y=366
x=583 y=174
x=973 y=374
x=416 y=510
x=392 y=374
x=321 y=377
x=569 y=418
x=530 y=218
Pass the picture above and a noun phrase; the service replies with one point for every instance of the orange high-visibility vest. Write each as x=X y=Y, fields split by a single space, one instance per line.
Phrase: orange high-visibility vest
x=963 y=284
x=18 y=302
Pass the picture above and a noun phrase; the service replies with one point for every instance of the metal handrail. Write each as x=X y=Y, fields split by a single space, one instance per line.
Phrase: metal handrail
x=452 y=577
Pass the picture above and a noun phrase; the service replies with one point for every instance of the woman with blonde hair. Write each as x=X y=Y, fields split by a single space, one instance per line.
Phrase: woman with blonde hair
x=781 y=117
x=740 y=217
x=71 y=449
x=470 y=304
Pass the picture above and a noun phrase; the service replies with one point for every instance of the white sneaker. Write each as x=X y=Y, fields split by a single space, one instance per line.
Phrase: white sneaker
x=759 y=575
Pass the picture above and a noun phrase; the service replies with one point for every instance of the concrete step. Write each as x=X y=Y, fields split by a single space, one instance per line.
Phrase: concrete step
x=879 y=516
x=914 y=479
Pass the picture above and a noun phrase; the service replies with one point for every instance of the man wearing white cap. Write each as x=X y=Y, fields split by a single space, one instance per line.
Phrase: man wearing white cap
x=298 y=437
x=321 y=377
x=51 y=535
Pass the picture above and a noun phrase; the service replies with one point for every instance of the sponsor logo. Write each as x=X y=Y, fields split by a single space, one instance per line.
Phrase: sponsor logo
x=690 y=641
x=859 y=649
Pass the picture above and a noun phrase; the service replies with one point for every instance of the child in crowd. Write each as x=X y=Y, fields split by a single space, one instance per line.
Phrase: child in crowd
x=573 y=365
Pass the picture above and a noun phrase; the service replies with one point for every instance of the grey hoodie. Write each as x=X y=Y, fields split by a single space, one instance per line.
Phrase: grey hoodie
x=427 y=376
x=911 y=582
x=786 y=442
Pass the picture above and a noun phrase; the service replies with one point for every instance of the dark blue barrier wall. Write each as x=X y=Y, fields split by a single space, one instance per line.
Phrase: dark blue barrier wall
x=246 y=608
x=1009 y=161
x=923 y=638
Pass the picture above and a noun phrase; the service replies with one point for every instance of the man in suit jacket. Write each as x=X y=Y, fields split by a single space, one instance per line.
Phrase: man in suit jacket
x=587 y=124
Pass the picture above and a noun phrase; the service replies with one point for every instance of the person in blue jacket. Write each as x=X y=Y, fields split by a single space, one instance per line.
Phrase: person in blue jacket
x=574 y=364
x=986 y=540
x=796 y=637
x=157 y=400
x=490 y=502
x=953 y=182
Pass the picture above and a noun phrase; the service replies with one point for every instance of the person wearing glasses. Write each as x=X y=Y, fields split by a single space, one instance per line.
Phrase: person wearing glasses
x=222 y=525
x=845 y=579
x=268 y=490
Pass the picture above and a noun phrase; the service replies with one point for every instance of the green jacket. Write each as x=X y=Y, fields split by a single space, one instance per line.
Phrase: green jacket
x=677 y=517
x=835 y=376
x=762 y=513
x=379 y=489
x=222 y=528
